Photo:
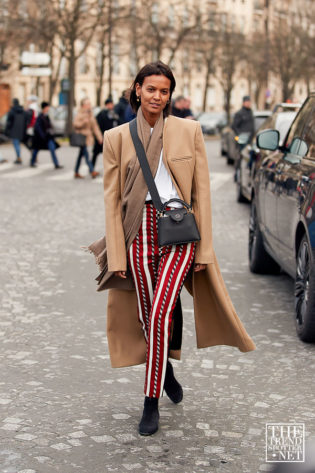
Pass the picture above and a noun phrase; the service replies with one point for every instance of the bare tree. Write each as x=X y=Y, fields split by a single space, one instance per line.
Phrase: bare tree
x=165 y=27
x=231 y=53
x=77 y=21
x=113 y=26
x=289 y=51
x=205 y=46
x=256 y=65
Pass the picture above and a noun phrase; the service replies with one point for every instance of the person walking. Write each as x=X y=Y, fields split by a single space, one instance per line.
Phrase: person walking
x=106 y=119
x=43 y=137
x=243 y=121
x=86 y=124
x=120 y=107
x=16 y=127
x=32 y=113
x=144 y=319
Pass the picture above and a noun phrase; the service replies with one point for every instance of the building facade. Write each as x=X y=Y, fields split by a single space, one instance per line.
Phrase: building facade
x=177 y=32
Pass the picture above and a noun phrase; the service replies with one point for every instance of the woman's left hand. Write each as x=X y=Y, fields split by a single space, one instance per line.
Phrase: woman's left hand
x=199 y=267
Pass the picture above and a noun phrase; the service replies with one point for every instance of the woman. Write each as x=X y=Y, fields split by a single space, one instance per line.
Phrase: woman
x=16 y=128
x=138 y=273
x=86 y=124
x=44 y=137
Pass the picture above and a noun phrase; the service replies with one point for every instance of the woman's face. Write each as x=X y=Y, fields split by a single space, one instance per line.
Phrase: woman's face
x=154 y=94
x=87 y=105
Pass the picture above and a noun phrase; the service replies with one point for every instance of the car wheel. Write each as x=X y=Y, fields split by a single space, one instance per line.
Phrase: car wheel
x=305 y=293
x=260 y=261
x=238 y=181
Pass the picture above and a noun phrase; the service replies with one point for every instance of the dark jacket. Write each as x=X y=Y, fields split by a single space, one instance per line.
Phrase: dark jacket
x=244 y=122
x=129 y=114
x=181 y=113
x=106 y=119
x=16 y=123
x=43 y=132
x=120 y=108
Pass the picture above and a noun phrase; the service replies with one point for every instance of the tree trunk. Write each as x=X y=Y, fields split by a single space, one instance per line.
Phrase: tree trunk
x=110 y=50
x=71 y=94
x=53 y=79
x=207 y=77
x=101 y=75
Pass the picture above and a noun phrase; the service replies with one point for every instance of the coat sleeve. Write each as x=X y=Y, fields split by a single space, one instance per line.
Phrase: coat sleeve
x=115 y=239
x=201 y=201
x=237 y=122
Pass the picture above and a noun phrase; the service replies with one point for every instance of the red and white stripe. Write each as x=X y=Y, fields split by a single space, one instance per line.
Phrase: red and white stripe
x=159 y=274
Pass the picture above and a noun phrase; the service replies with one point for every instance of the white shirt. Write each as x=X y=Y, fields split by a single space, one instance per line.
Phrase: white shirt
x=164 y=184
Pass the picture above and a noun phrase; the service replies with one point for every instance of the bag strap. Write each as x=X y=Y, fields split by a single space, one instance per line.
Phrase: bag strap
x=143 y=160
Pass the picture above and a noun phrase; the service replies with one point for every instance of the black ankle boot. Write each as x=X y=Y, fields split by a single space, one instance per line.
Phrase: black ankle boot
x=172 y=387
x=149 y=423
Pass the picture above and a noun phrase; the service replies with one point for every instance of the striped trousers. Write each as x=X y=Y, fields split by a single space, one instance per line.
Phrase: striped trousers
x=158 y=274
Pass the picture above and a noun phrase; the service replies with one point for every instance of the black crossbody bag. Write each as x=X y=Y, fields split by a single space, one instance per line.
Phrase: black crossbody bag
x=176 y=226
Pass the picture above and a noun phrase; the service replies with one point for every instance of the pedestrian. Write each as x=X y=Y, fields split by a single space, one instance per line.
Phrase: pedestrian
x=129 y=113
x=106 y=119
x=86 y=124
x=187 y=110
x=146 y=279
x=16 y=127
x=120 y=107
x=179 y=106
x=243 y=121
x=32 y=113
x=44 y=137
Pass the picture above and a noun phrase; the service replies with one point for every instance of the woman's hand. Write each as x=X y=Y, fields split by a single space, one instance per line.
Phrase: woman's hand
x=121 y=274
x=199 y=267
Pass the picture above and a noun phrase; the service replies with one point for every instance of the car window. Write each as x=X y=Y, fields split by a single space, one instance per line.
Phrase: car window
x=299 y=123
x=283 y=122
x=309 y=134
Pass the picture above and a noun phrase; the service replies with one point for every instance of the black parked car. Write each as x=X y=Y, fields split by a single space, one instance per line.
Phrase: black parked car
x=250 y=155
x=282 y=220
x=230 y=143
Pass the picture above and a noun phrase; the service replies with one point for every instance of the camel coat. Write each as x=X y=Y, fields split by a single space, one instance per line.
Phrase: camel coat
x=216 y=321
x=85 y=123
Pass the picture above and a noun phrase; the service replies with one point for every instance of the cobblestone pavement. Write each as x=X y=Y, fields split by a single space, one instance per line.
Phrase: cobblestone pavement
x=64 y=409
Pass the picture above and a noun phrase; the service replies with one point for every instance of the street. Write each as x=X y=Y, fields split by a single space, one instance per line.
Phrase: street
x=64 y=409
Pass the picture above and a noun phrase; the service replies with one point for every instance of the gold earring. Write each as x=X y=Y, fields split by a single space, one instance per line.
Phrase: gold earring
x=138 y=98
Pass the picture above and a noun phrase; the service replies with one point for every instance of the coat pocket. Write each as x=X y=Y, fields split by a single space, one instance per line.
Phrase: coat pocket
x=181 y=158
